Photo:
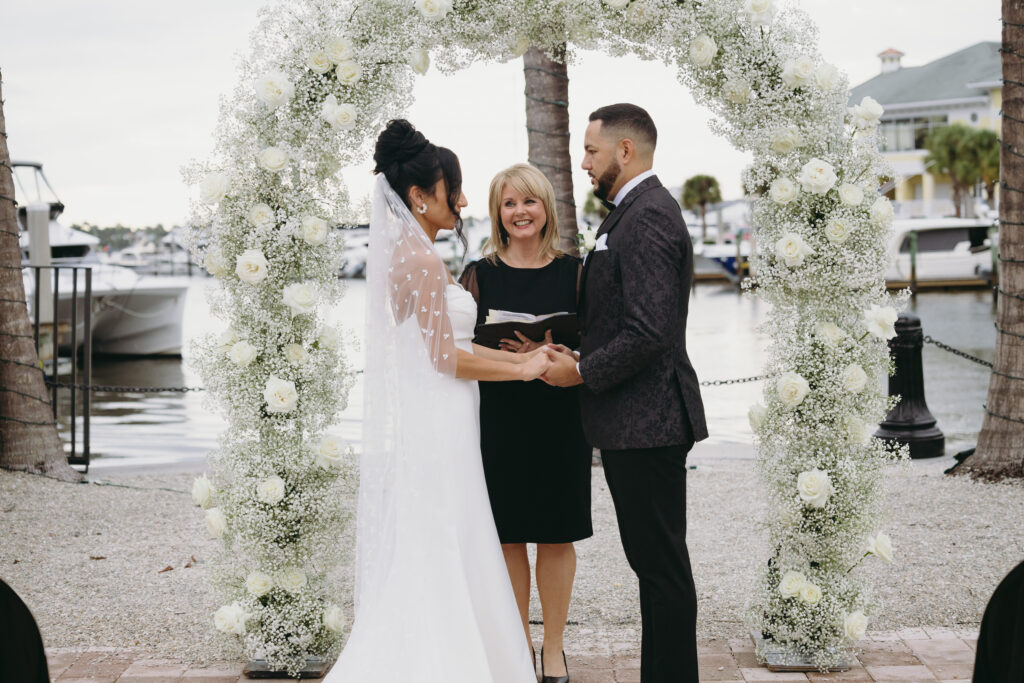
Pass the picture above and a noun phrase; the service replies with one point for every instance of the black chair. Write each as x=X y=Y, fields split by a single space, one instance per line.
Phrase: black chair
x=22 y=657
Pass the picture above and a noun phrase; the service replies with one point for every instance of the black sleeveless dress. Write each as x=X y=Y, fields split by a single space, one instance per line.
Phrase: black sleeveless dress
x=536 y=459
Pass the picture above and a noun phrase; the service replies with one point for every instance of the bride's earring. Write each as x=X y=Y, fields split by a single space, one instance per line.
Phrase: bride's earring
x=422 y=208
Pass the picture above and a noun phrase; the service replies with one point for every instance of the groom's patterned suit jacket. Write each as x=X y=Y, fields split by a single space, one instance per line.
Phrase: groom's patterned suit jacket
x=640 y=390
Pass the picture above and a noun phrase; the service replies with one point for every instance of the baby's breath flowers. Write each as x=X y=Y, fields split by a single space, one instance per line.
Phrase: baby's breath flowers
x=323 y=79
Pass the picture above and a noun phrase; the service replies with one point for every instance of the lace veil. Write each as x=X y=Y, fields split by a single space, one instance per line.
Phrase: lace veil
x=409 y=347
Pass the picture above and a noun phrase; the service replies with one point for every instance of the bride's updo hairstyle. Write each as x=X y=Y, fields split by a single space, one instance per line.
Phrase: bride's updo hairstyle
x=408 y=159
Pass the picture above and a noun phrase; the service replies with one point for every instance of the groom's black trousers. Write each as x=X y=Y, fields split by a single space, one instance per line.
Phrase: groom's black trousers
x=648 y=487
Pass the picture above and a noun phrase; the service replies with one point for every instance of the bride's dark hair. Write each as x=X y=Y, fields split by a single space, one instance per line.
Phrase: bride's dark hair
x=407 y=159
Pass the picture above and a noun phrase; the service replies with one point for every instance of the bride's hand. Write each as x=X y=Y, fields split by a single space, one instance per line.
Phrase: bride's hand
x=536 y=366
x=524 y=344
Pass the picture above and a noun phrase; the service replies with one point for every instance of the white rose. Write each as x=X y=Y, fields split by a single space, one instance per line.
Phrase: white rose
x=329 y=339
x=292 y=579
x=338 y=50
x=270 y=490
x=760 y=12
x=857 y=430
x=792 y=389
x=214 y=263
x=736 y=90
x=295 y=354
x=419 y=60
x=703 y=50
x=854 y=378
x=881 y=212
x=301 y=297
x=756 y=415
x=617 y=4
x=850 y=194
x=280 y=395
x=855 y=625
x=881 y=321
x=227 y=339
x=261 y=215
x=881 y=546
x=433 y=9
x=274 y=89
x=831 y=333
x=866 y=115
x=314 y=230
x=215 y=522
x=230 y=619
x=838 y=230
x=810 y=594
x=202 y=491
x=814 y=488
x=348 y=72
x=242 y=353
x=334 y=619
x=329 y=451
x=251 y=266
x=791 y=583
x=213 y=188
x=520 y=47
x=798 y=72
x=827 y=78
x=258 y=583
x=273 y=159
x=817 y=176
x=783 y=190
x=785 y=140
x=792 y=249
x=341 y=116
x=319 y=62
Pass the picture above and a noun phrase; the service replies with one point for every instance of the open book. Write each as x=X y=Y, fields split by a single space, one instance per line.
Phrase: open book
x=565 y=327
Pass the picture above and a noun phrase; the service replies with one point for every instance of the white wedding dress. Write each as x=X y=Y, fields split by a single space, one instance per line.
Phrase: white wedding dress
x=433 y=599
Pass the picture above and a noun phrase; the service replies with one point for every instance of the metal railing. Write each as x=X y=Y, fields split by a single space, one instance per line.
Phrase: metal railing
x=79 y=450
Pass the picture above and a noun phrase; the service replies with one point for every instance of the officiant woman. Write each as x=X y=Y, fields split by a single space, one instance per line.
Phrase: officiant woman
x=536 y=460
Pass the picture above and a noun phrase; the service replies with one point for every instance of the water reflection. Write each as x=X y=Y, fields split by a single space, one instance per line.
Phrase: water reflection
x=177 y=430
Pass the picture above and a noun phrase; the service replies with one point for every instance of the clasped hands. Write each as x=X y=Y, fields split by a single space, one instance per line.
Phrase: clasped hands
x=559 y=365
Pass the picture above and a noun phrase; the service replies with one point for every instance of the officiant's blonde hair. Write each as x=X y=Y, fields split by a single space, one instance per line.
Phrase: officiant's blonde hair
x=527 y=180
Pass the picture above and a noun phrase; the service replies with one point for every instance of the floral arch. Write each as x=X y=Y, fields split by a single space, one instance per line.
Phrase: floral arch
x=323 y=78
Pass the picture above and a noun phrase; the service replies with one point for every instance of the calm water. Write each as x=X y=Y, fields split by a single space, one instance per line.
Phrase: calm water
x=177 y=430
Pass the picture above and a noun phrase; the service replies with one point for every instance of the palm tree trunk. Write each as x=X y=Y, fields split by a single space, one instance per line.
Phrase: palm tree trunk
x=28 y=435
x=547 y=127
x=999 y=454
x=704 y=223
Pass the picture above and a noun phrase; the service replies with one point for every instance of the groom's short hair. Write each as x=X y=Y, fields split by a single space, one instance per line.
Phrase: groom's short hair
x=629 y=121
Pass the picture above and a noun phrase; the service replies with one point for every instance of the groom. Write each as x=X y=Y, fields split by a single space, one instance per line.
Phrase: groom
x=640 y=399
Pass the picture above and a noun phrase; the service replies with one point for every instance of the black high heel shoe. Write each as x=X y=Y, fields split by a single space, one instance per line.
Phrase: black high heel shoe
x=553 y=679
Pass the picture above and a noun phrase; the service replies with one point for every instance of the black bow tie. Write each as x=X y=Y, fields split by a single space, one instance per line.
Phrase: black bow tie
x=608 y=205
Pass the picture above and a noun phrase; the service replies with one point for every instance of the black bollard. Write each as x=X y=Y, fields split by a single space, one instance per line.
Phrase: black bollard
x=910 y=422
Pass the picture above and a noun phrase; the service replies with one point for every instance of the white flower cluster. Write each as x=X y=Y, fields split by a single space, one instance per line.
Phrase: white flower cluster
x=325 y=77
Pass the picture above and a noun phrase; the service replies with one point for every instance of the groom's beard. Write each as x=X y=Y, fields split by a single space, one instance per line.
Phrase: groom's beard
x=607 y=180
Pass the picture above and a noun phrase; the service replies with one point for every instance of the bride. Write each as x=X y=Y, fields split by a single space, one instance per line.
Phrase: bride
x=433 y=600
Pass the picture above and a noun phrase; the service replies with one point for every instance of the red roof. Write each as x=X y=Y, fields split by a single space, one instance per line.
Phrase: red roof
x=891 y=52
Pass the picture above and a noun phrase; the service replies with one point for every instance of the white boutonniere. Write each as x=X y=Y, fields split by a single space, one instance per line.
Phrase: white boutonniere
x=586 y=239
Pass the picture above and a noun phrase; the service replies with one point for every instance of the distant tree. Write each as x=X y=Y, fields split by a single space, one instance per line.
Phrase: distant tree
x=28 y=436
x=699 y=191
x=988 y=163
x=547 y=130
x=593 y=206
x=999 y=454
x=954 y=150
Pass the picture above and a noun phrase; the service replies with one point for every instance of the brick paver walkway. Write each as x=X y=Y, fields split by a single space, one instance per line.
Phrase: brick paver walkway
x=933 y=654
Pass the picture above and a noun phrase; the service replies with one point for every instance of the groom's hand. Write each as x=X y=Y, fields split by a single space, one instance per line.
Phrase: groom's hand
x=562 y=372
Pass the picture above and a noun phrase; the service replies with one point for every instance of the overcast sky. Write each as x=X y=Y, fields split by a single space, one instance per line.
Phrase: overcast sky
x=113 y=96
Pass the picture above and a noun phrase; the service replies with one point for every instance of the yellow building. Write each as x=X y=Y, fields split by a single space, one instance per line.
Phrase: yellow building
x=964 y=87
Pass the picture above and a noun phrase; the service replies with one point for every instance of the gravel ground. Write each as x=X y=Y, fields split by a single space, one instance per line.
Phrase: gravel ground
x=87 y=559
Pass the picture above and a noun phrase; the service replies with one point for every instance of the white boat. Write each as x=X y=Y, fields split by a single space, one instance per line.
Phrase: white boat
x=132 y=314
x=950 y=252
